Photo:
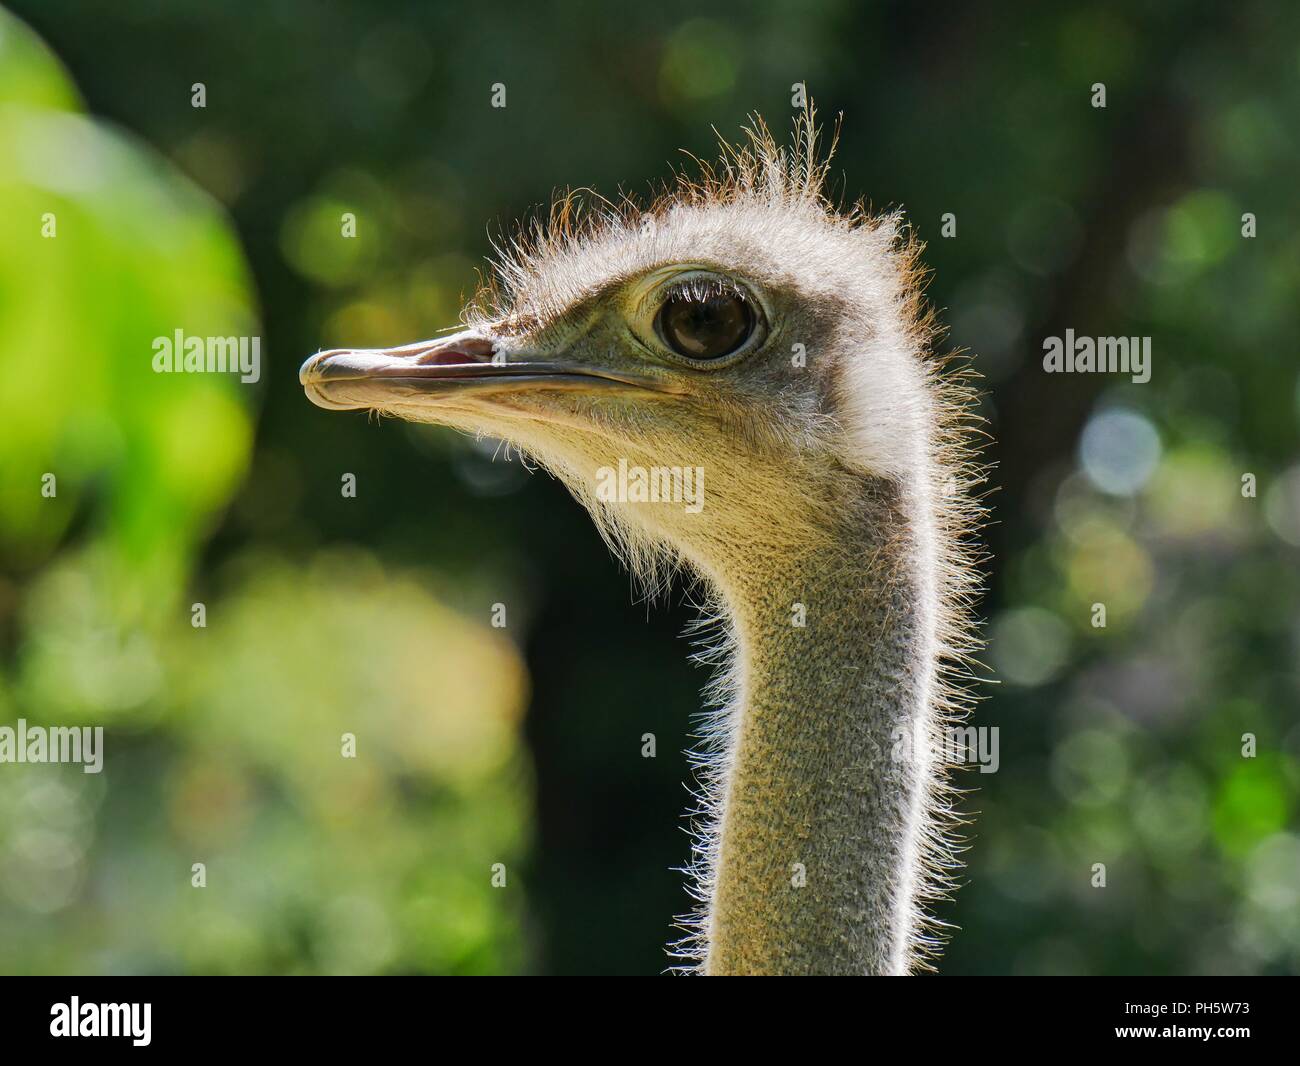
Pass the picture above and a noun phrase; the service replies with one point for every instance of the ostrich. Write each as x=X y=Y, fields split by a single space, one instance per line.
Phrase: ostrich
x=745 y=329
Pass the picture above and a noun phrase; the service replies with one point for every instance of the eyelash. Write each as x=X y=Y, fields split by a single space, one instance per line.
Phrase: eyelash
x=700 y=289
x=697 y=287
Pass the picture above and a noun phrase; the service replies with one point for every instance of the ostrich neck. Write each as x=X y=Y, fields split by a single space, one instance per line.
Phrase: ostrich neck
x=817 y=865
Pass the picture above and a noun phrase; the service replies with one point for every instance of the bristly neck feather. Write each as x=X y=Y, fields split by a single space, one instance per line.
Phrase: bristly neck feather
x=820 y=845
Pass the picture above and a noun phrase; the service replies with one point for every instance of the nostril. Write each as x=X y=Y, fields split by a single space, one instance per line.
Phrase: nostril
x=457 y=352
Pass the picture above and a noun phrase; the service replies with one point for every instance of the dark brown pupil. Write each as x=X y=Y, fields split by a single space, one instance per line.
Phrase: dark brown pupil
x=706 y=327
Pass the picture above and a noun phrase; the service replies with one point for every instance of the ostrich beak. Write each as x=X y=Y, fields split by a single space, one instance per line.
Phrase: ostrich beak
x=351 y=379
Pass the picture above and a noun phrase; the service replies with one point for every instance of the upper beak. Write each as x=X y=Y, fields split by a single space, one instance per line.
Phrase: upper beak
x=347 y=379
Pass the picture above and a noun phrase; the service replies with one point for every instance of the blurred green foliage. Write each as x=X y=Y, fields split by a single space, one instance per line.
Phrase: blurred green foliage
x=224 y=742
x=1120 y=745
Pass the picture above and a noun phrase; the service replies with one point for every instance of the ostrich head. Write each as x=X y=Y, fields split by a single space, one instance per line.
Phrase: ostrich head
x=740 y=330
x=761 y=359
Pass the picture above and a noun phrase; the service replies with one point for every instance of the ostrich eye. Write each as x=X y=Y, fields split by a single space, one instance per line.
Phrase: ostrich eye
x=705 y=320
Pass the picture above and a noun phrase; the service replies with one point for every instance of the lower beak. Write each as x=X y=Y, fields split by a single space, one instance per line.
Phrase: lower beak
x=350 y=379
